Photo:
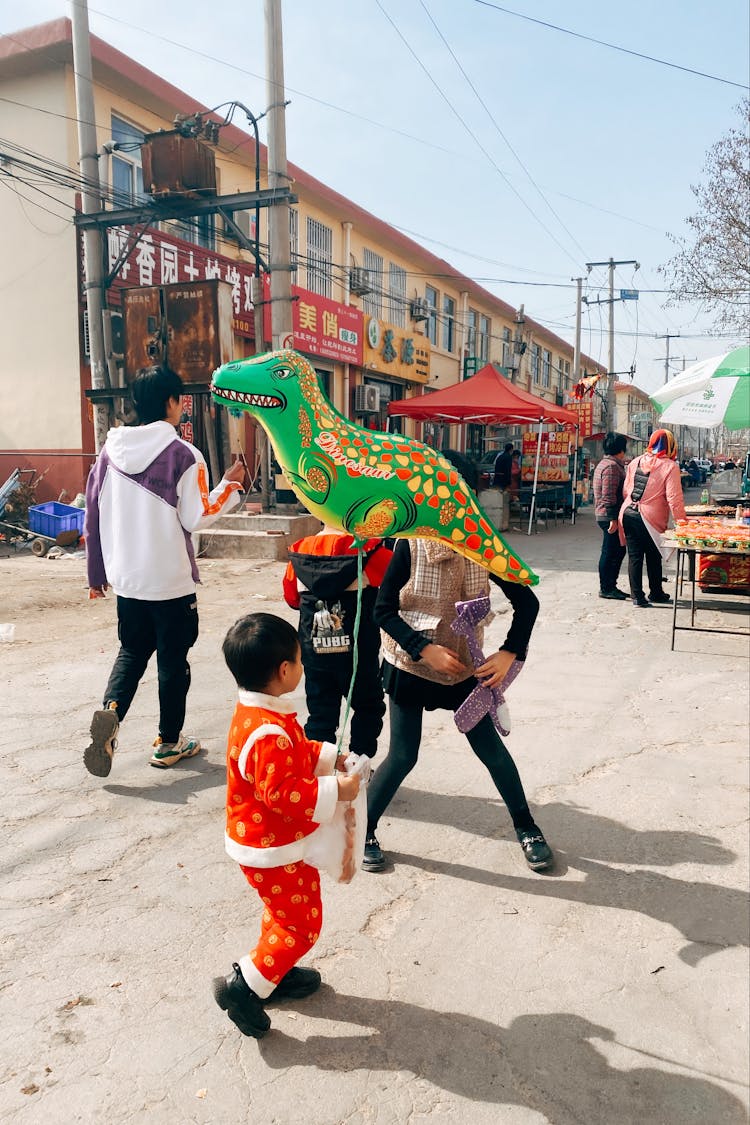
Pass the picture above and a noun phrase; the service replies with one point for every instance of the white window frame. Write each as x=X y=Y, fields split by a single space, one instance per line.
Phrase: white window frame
x=432 y=297
x=536 y=364
x=546 y=367
x=372 y=302
x=485 y=332
x=397 y=295
x=319 y=257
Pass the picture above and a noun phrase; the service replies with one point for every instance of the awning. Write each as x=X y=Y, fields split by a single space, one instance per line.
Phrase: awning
x=486 y=398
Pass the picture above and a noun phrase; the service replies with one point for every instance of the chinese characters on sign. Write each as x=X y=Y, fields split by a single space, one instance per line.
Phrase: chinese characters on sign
x=160 y=259
x=555 y=449
x=321 y=327
x=186 y=425
x=388 y=349
x=585 y=412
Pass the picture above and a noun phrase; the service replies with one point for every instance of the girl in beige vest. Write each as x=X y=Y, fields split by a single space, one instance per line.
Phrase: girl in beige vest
x=428 y=666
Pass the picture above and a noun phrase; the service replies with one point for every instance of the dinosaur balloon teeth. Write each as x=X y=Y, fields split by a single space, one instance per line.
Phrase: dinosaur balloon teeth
x=248 y=400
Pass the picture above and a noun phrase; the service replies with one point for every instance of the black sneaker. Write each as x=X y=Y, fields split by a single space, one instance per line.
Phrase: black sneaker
x=642 y=602
x=295 y=985
x=374 y=859
x=536 y=850
x=244 y=1008
x=615 y=595
x=662 y=598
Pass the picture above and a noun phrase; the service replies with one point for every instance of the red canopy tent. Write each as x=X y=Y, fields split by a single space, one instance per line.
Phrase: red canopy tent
x=489 y=398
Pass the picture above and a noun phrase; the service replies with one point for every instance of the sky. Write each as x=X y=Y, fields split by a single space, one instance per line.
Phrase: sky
x=517 y=152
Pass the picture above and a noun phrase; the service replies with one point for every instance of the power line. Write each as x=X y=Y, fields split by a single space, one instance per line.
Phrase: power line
x=492 y=118
x=611 y=46
x=472 y=134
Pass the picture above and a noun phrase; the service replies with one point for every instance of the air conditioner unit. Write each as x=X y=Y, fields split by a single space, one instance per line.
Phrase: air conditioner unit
x=359 y=281
x=420 y=310
x=366 y=399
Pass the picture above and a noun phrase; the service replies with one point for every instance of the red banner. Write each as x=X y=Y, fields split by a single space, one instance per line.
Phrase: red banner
x=162 y=259
x=585 y=412
x=321 y=327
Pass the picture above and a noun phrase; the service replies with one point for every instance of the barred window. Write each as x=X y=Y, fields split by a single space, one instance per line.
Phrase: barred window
x=431 y=297
x=484 y=339
x=471 y=336
x=372 y=303
x=396 y=295
x=319 y=257
x=536 y=353
x=546 y=367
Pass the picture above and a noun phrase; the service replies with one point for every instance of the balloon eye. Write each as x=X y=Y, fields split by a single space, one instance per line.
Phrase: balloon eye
x=283 y=373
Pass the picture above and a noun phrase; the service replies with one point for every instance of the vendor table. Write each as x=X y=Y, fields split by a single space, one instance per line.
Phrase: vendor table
x=686 y=556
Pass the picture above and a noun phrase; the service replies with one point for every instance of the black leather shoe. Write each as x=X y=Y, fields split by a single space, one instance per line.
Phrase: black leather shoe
x=295 y=985
x=374 y=859
x=614 y=595
x=642 y=602
x=536 y=850
x=244 y=1008
x=660 y=599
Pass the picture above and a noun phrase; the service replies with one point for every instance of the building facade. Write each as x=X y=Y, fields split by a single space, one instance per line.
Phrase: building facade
x=379 y=317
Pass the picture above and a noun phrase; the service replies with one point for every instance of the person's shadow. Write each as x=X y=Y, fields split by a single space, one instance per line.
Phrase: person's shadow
x=710 y=916
x=185 y=780
x=544 y=1062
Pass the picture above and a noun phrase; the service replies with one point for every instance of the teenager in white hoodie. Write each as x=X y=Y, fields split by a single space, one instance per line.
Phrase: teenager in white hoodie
x=145 y=496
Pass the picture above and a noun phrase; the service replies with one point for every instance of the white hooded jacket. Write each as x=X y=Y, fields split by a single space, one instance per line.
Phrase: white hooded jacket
x=145 y=496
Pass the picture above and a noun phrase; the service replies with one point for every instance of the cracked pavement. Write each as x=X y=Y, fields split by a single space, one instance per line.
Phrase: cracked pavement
x=459 y=986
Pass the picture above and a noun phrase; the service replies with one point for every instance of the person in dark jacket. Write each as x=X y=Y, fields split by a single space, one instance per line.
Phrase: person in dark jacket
x=609 y=478
x=321 y=581
x=503 y=466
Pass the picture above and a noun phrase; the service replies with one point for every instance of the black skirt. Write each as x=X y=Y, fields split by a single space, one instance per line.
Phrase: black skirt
x=409 y=690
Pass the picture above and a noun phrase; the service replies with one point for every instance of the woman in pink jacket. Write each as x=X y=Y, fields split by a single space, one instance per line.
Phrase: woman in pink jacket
x=652 y=489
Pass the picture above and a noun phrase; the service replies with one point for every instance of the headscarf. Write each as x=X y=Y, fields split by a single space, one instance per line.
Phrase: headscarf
x=662 y=444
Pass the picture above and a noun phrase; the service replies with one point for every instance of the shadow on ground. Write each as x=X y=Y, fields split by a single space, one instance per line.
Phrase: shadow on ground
x=544 y=1062
x=711 y=917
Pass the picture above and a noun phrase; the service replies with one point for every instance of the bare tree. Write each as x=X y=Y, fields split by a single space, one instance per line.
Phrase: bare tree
x=712 y=264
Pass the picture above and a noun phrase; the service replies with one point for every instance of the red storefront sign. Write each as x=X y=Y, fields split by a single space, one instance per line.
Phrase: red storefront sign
x=161 y=259
x=321 y=327
x=585 y=412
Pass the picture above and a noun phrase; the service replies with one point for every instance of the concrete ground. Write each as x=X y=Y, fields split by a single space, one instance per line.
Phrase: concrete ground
x=459 y=985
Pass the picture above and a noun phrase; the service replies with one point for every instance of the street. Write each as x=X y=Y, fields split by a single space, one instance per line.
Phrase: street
x=459 y=986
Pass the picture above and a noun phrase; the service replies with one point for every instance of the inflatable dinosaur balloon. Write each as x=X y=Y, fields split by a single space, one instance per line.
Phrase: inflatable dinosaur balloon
x=365 y=482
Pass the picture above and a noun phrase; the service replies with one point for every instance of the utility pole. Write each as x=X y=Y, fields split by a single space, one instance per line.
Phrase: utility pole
x=577 y=346
x=611 y=396
x=279 y=253
x=278 y=215
x=90 y=203
x=667 y=336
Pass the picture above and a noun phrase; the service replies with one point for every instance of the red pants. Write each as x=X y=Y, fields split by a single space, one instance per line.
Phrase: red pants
x=292 y=918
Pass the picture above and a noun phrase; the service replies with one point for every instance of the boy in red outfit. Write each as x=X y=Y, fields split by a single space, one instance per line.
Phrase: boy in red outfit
x=321 y=582
x=280 y=787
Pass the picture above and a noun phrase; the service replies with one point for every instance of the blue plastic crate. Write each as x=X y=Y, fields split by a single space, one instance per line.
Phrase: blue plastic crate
x=53 y=518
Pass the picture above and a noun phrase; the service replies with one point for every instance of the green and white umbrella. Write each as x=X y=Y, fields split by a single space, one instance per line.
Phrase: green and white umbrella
x=714 y=392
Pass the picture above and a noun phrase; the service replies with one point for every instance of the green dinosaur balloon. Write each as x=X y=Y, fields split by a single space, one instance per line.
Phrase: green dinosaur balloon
x=367 y=483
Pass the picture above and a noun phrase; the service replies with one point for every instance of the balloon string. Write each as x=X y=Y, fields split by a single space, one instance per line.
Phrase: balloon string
x=355 y=646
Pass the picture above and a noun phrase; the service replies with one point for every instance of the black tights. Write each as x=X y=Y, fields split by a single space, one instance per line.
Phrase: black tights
x=406 y=734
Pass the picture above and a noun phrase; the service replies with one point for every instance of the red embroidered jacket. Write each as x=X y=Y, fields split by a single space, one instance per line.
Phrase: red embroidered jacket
x=280 y=784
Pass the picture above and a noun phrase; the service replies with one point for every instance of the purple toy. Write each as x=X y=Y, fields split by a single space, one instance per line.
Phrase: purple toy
x=483 y=700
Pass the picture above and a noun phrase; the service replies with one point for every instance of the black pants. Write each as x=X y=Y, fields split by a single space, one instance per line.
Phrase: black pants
x=640 y=546
x=324 y=691
x=610 y=559
x=170 y=629
x=406 y=734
